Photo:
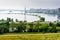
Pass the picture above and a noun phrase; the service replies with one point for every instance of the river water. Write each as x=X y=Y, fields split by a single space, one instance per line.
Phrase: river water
x=29 y=18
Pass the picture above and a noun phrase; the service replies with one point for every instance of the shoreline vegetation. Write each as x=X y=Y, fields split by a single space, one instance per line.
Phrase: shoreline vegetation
x=39 y=26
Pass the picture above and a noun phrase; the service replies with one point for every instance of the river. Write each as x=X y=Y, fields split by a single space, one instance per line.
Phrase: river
x=29 y=18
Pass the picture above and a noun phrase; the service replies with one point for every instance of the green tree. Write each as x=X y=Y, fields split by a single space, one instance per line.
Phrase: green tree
x=36 y=27
x=58 y=24
x=8 y=19
x=44 y=27
x=53 y=29
x=42 y=19
x=17 y=20
x=31 y=27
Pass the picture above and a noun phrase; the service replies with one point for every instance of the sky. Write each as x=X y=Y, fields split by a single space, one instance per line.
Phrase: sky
x=21 y=4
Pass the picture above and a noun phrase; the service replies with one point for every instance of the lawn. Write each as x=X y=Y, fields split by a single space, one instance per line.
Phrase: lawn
x=46 y=36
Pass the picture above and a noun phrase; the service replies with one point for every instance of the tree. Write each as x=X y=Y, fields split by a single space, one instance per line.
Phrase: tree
x=50 y=24
x=42 y=19
x=36 y=27
x=44 y=27
x=24 y=26
x=4 y=27
x=31 y=27
x=58 y=24
x=2 y=20
x=53 y=29
x=8 y=19
x=7 y=26
x=17 y=20
x=1 y=30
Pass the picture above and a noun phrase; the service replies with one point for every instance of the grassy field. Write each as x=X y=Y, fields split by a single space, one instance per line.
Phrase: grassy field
x=46 y=36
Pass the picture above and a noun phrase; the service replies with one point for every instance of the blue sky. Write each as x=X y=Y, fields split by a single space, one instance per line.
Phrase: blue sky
x=20 y=4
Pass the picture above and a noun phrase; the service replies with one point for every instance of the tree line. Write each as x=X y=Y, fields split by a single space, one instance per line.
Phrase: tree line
x=9 y=26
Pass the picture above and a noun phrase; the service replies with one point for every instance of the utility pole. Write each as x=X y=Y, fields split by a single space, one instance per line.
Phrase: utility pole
x=25 y=12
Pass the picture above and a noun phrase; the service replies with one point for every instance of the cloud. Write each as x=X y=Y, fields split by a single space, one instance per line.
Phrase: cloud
x=20 y=4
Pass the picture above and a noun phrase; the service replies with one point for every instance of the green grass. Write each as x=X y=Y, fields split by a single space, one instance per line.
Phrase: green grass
x=46 y=36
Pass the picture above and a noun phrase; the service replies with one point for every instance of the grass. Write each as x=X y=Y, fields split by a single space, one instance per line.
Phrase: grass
x=46 y=36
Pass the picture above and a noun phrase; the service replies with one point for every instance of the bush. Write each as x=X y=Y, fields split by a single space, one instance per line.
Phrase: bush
x=44 y=27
